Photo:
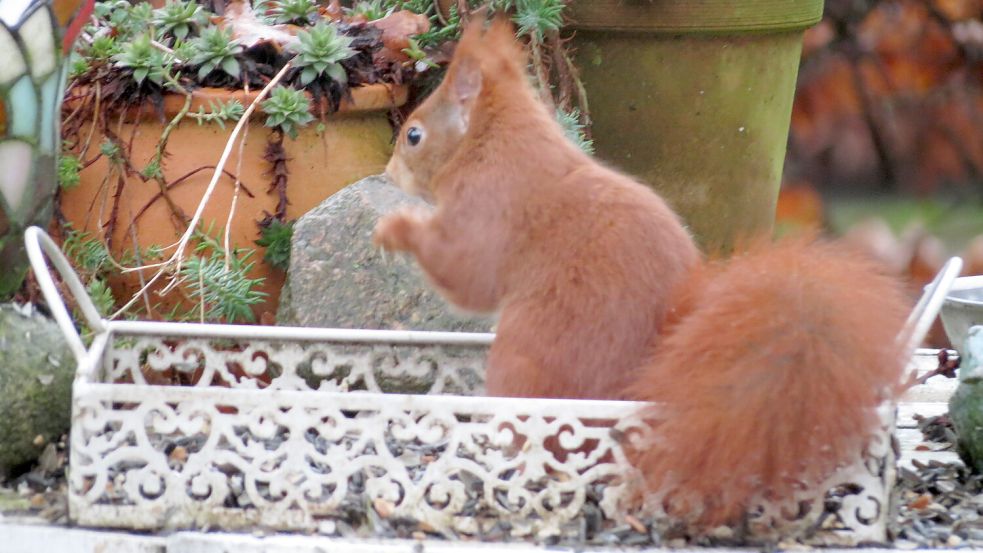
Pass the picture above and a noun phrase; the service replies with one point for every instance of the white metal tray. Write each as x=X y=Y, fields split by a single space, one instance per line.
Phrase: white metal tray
x=234 y=427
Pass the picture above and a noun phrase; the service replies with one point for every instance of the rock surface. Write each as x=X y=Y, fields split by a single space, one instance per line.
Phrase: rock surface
x=36 y=371
x=966 y=404
x=338 y=279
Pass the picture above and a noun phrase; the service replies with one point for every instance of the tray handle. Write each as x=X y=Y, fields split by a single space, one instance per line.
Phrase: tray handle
x=41 y=249
x=927 y=309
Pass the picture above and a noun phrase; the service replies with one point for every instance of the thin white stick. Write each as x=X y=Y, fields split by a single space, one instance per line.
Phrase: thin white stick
x=235 y=194
x=178 y=254
x=161 y=47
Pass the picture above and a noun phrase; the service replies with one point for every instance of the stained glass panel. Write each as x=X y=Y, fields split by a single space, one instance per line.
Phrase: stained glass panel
x=11 y=11
x=33 y=36
x=16 y=158
x=64 y=10
x=11 y=60
x=24 y=101
x=38 y=37
x=49 y=109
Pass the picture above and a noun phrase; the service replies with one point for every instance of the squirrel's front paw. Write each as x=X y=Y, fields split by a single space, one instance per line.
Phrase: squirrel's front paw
x=394 y=231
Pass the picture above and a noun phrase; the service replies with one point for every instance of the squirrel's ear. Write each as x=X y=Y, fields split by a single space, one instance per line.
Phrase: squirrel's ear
x=471 y=42
x=465 y=86
x=467 y=80
x=501 y=31
x=464 y=76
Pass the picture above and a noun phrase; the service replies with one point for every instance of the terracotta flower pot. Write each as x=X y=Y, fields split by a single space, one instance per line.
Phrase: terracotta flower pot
x=354 y=142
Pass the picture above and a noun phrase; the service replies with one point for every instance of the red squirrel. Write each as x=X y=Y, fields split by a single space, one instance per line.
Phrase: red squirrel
x=766 y=366
x=578 y=260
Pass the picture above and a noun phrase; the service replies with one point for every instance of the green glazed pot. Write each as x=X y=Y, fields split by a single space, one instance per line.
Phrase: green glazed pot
x=694 y=97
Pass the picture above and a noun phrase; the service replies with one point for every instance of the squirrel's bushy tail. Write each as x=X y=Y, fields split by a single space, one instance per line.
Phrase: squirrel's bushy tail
x=768 y=375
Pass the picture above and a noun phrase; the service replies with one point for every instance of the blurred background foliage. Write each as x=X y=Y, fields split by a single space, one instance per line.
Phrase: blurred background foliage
x=888 y=119
x=886 y=142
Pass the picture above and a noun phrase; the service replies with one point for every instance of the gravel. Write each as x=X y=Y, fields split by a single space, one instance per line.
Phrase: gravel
x=940 y=505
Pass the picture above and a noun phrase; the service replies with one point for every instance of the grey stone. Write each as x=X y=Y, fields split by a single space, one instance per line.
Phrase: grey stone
x=339 y=279
x=966 y=403
x=36 y=371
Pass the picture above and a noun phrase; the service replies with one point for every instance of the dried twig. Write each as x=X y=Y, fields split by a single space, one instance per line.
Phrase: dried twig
x=95 y=122
x=235 y=193
x=183 y=178
x=176 y=259
x=139 y=261
x=948 y=363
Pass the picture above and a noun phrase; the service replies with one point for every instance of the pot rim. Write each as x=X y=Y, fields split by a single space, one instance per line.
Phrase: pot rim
x=364 y=99
x=709 y=17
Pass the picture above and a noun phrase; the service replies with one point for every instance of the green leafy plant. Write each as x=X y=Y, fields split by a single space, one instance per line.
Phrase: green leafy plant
x=218 y=281
x=143 y=59
x=92 y=262
x=416 y=6
x=215 y=48
x=125 y=18
x=371 y=10
x=538 y=17
x=110 y=149
x=87 y=253
x=184 y=51
x=104 y=10
x=225 y=293
x=179 y=18
x=275 y=236
x=101 y=296
x=416 y=53
x=295 y=11
x=68 y=171
x=103 y=47
x=287 y=109
x=219 y=113
x=320 y=50
x=574 y=129
x=152 y=170
x=78 y=66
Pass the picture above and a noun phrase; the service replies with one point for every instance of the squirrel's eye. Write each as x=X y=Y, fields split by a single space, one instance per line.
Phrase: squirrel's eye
x=414 y=135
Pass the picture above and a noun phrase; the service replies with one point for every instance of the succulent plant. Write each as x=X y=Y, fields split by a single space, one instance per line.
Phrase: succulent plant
x=103 y=47
x=144 y=59
x=320 y=50
x=128 y=19
x=574 y=129
x=287 y=109
x=219 y=113
x=371 y=9
x=538 y=17
x=295 y=11
x=179 y=17
x=215 y=49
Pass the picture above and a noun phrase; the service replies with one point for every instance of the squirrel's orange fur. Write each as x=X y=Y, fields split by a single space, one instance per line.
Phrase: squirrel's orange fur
x=766 y=366
x=578 y=260
x=769 y=373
